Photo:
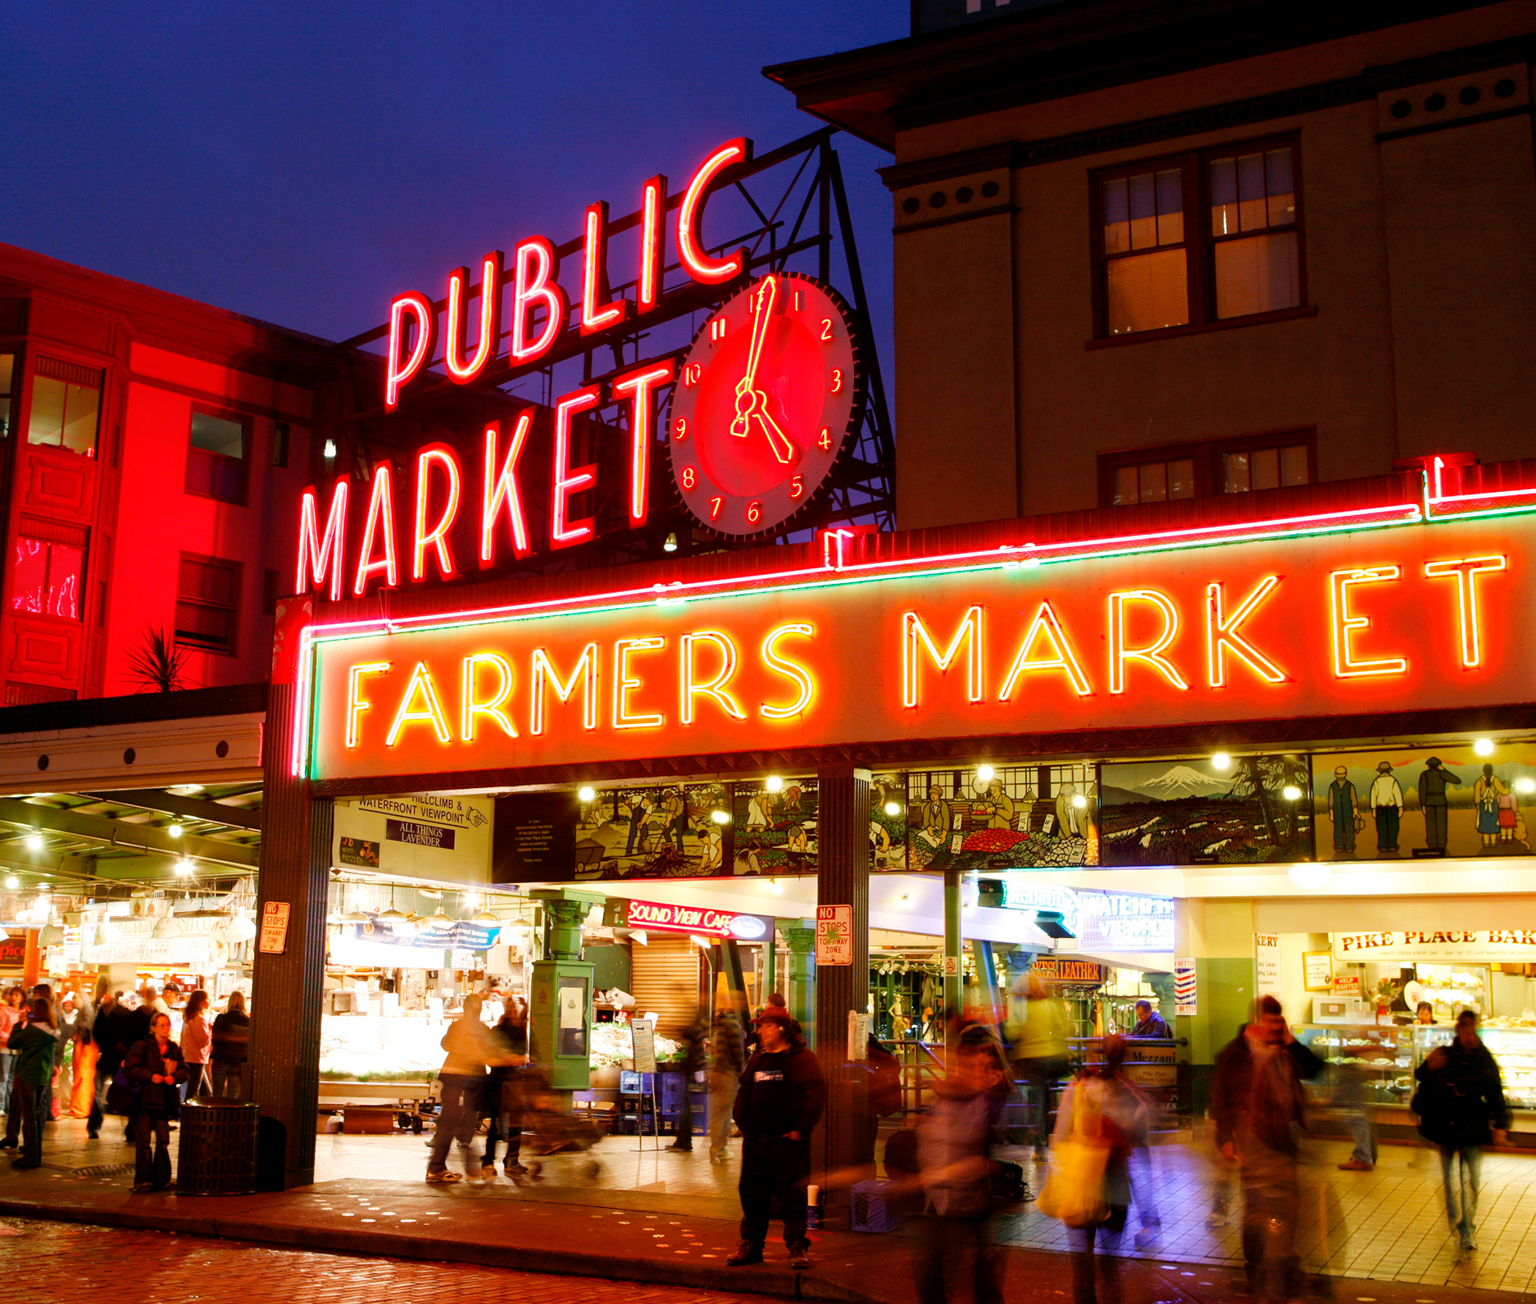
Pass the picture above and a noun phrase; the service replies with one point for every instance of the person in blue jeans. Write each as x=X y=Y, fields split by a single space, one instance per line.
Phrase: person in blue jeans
x=31 y=1099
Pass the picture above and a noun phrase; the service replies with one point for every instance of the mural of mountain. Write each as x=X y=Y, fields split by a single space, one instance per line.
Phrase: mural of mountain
x=1182 y=781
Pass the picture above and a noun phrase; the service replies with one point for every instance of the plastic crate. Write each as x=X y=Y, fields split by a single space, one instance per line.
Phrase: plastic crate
x=872 y=1210
x=634 y=1084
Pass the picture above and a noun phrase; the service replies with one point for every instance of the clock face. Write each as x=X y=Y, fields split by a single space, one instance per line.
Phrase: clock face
x=767 y=398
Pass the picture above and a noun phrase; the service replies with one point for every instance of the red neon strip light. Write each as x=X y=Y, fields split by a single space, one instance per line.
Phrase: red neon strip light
x=462 y=370
x=321 y=553
x=445 y=459
x=598 y=311
x=397 y=370
x=501 y=492
x=690 y=247
x=535 y=269
x=567 y=480
x=380 y=524
x=641 y=385
x=653 y=208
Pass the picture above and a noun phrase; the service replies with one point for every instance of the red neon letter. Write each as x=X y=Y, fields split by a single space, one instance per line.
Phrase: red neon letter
x=544 y=672
x=470 y=706
x=1150 y=655
x=1064 y=659
x=439 y=455
x=1466 y=573
x=690 y=246
x=640 y=384
x=1345 y=666
x=380 y=524
x=568 y=480
x=459 y=369
x=791 y=670
x=396 y=371
x=598 y=311
x=914 y=632
x=499 y=489
x=535 y=267
x=356 y=702
x=1221 y=635
x=653 y=207
x=716 y=687
x=319 y=554
x=429 y=712
x=624 y=684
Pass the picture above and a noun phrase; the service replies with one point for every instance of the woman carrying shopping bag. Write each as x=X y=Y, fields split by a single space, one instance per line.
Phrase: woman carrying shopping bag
x=1103 y=1118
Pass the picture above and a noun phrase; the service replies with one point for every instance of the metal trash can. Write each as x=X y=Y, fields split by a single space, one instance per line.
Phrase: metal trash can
x=217 y=1151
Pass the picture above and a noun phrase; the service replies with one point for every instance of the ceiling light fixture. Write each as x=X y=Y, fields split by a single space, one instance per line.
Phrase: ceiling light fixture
x=720 y=816
x=12 y=883
x=670 y=545
x=773 y=783
x=776 y=887
x=1291 y=792
x=34 y=842
x=893 y=808
x=1221 y=761
x=587 y=794
x=984 y=772
x=174 y=830
x=1483 y=747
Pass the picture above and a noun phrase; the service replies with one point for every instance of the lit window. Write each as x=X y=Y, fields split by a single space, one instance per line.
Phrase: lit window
x=216 y=457
x=1264 y=468
x=1159 y=270
x=45 y=577
x=207 y=597
x=7 y=376
x=66 y=406
x=1154 y=482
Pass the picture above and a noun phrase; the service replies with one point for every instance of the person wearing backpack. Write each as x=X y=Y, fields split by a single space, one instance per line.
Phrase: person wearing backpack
x=1461 y=1109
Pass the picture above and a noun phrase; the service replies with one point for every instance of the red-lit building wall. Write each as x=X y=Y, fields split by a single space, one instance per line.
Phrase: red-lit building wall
x=121 y=530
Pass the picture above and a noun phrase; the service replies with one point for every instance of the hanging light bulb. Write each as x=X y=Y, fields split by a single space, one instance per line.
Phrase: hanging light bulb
x=396 y=919
x=174 y=830
x=240 y=928
x=12 y=882
x=34 y=842
x=774 y=783
x=439 y=919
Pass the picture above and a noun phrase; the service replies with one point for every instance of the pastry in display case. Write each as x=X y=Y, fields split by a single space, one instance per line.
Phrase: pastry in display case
x=1383 y=1055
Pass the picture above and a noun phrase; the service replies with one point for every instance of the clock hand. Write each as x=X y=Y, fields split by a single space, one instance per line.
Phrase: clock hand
x=747 y=394
x=777 y=439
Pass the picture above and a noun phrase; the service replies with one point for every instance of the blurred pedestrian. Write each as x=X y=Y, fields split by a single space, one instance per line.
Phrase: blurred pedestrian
x=780 y=1101
x=155 y=1066
x=1105 y=1112
x=229 y=1039
x=954 y=1143
x=1460 y=1104
x=11 y=1016
x=693 y=1040
x=470 y=1050
x=34 y=1043
x=109 y=1056
x=1036 y=1029
x=1149 y=1023
x=1257 y=1106
x=152 y=1000
x=196 y=1044
x=1354 y=1102
x=727 y=1058
x=505 y=1090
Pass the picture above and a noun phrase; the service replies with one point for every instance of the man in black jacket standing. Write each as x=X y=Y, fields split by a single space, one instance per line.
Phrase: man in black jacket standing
x=779 y=1103
x=1460 y=1103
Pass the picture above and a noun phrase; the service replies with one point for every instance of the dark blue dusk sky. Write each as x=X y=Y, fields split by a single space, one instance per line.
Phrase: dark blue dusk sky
x=303 y=161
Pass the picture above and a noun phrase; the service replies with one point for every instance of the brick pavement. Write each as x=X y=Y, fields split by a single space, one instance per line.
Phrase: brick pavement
x=60 y=1263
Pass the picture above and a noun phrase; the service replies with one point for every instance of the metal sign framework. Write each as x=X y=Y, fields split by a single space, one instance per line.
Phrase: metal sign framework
x=794 y=205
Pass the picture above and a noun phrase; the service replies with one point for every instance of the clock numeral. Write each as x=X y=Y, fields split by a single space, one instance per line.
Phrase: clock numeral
x=692 y=374
x=824 y=439
x=826 y=328
x=837 y=380
x=796 y=486
x=680 y=429
x=690 y=478
x=714 y=507
x=754 y=512
x=717 y=330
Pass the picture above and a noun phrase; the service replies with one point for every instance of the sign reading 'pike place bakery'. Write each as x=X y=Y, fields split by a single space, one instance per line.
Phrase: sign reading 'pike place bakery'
x=1364 y=620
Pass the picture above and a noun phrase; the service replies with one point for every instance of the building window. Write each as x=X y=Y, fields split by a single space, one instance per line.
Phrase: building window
x=207 y=596
x=216 y=456
x=1154 y=482
x=66 y=406
x=1158 y=270
x=7 y=376
x=280 y=435
x=1224 y=466
x=48 y=568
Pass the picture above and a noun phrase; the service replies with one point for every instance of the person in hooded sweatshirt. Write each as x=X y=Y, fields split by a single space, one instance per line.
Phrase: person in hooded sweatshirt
x=34 y=1045
x=471 y=1050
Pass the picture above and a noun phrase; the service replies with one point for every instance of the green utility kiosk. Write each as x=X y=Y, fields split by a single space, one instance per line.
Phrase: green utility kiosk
x=560 y=1004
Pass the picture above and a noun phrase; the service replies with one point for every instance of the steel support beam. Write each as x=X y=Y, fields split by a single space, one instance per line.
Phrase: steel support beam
x=119 y=833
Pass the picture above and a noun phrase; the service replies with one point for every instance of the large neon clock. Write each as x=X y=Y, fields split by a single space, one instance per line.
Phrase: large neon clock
x=768 y=397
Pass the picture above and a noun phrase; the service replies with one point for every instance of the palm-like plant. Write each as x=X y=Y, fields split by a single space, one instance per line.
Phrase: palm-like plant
x=158 y=664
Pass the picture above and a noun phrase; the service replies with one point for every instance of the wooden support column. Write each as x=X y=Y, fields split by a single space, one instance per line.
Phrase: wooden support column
x=842 y=878
x=288 y=987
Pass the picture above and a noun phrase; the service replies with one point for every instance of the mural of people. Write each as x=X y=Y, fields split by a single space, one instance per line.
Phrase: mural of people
x=935 y=814
x=1451 y=801
x=996 y=806
x=1021 y=816
x=1432 y=797
x=1488 y=792
x=1386 y=807
x=767 y=822
x=1343 y=810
